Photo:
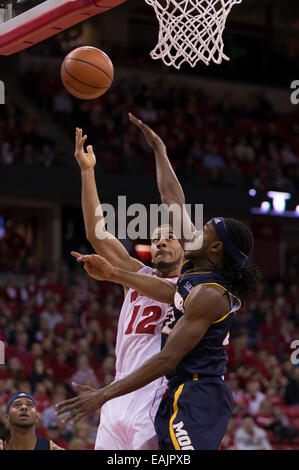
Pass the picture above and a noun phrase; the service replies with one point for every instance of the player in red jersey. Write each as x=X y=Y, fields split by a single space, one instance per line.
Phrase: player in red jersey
x=127 y=422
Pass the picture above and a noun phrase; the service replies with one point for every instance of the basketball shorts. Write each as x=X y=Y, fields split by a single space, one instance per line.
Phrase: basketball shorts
x=127 y=422
x=194 y=415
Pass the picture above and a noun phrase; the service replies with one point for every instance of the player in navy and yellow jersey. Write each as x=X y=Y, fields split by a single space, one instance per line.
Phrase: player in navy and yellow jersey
x=213 y=284
x=21 y=415
x=215 y=280
x=196 y=411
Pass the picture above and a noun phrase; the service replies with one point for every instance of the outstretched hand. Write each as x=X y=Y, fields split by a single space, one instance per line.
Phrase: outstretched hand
x=87 y=159
x=96 y=266
x=153 y=140
x=89 y=401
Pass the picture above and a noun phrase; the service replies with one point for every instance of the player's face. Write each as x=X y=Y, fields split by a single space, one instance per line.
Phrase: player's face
x=22 y=413
x=248 y=424
x=210 y=241
x=165 y=248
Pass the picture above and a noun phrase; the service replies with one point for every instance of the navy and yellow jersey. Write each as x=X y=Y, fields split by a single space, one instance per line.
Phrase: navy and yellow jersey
x=209 y=357
x=41 y=444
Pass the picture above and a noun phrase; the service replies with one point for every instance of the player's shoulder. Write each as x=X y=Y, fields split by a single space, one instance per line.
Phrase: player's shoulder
x=146 y=270
x=43 y=443
x=208 y=292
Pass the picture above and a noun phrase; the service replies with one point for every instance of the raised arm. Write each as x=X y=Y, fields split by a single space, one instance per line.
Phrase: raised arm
x=204 y=305
x=103 y=242
x=170 y=189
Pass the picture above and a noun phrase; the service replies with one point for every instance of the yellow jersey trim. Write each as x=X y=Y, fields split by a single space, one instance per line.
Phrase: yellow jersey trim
x=175 y=412
x=219 y=285
x=51 y=445
x=195 y=376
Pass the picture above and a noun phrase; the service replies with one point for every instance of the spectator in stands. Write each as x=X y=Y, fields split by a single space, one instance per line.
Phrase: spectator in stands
x=214 y=163
x=84 y=375
x=281 y=426
x=61 y=369
x=84 y=431
x=48 y=415
x=254 y=396
x=46 y=156
x=53 y=433
x=76 y=444
x=39 y=373
x=264 y=416
x=51 y=315
x=277 y=382
x=250 y=437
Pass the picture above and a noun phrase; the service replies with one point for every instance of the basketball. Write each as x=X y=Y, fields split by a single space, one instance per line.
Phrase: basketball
x=87 y=72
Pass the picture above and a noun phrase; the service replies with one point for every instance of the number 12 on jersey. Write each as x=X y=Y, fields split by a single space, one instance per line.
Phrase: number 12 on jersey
x=145 y=325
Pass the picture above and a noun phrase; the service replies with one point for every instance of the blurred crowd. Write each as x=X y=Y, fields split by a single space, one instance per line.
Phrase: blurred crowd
x=24 y=141
x=57 y=330
x=211 y=141
x=60 y=327
x=253 y=60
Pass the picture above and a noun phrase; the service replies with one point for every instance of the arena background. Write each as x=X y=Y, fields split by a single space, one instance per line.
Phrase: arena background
x=232 y=133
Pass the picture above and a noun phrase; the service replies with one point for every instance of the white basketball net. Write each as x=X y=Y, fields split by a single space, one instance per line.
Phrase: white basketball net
x=191 y=30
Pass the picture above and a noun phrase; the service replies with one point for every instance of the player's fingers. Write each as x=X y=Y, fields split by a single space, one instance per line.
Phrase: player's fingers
x=78 y=136
x=77 y=144
x=67 y=409
x=67 y=405
x=76 y=418
x=132 y=117
x=81 y=143
x=83 y=258
x=135 y=121
x=89 y=149
x=68 y=418
x=75 y=254
x=139 y=123
x=82 y=388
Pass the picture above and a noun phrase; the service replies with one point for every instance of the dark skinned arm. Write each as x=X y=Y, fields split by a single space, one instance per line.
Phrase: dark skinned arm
x=170 y=189
x=201 y=310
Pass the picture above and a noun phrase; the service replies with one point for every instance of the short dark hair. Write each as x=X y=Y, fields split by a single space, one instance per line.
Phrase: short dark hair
x=248 y=415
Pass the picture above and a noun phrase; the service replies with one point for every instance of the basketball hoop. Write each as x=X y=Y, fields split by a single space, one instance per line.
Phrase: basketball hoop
x=191 y=30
